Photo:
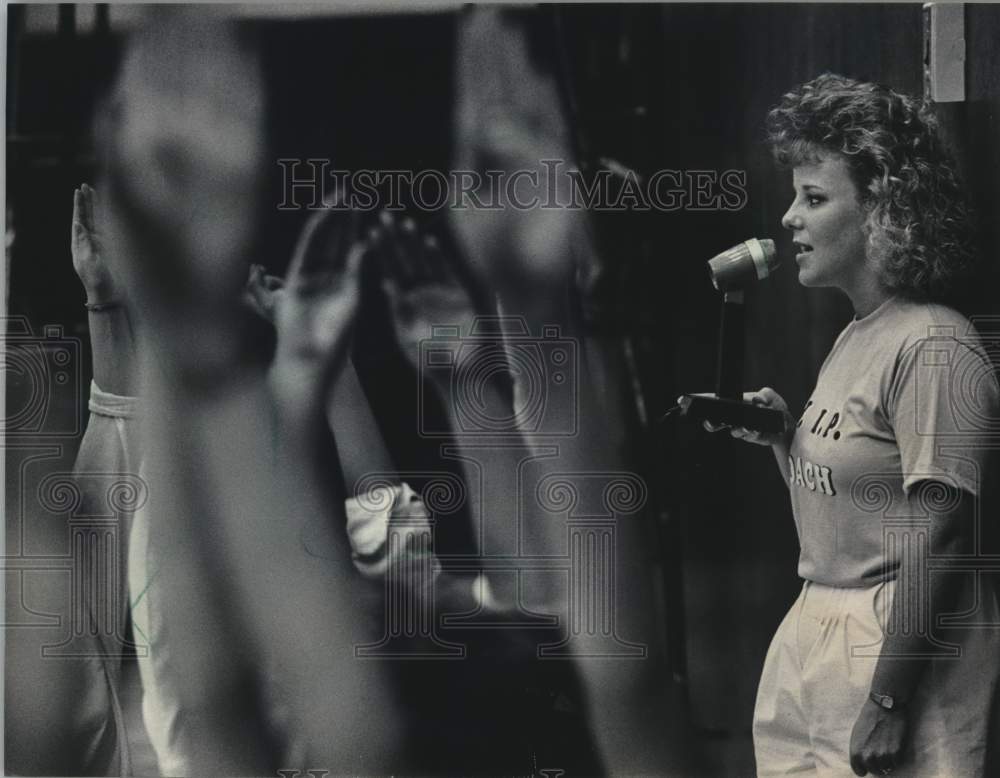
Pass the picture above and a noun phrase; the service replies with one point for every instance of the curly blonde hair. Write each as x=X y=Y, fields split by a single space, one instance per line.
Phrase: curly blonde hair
x=919 y=220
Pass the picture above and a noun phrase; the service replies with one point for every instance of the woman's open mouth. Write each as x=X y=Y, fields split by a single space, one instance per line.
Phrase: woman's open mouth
x=801 y=250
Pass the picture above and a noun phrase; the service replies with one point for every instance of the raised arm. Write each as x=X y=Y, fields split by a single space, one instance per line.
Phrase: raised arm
x=185 y=160
x=111 y=336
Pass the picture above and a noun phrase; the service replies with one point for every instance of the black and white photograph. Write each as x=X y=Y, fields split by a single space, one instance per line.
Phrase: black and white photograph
x=536 y=390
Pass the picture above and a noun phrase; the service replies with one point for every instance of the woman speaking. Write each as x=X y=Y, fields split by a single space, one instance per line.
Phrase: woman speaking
x=888 y=660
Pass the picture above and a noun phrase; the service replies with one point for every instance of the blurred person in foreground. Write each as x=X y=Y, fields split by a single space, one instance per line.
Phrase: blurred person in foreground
x=543 y=266
x=246 y=624
x=259 y=666
x=112 y=445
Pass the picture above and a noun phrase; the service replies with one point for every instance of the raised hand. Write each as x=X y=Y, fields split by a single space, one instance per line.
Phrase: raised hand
x=319 y=303
x=263 y=292
x=87 y=248
x=421 y=285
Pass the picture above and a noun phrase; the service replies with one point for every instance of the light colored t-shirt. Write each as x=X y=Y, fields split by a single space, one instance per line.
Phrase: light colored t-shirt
x=906 y=397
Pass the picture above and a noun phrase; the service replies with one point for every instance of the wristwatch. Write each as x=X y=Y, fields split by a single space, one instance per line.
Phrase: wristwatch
x=886 y=701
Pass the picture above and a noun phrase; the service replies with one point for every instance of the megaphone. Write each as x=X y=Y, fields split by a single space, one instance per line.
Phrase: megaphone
x=745 y=263
x=731 y=272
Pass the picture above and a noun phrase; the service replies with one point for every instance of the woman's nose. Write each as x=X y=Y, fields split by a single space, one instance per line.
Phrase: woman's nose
x=791 y=220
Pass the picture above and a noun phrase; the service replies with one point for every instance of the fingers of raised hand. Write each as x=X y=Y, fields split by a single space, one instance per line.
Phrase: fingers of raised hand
x=256 y=274
x=89 y=200
x=256 y=293
x=79 y=231
x=398 y=251
x=413 y=249
x=83 y=209
x=437 y=263
x=408 y=257
x=259 y=278
x=84 y=240
x=77 y=208
x=329 y=247
x=384 y=235
x=273 y=283
x=356 y=252
x=308 y=257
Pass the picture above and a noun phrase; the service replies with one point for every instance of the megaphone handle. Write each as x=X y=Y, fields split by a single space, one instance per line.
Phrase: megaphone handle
x=729 y=370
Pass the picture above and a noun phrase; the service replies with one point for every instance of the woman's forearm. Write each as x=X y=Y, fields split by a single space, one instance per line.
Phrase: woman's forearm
x=490 y=472
x=904 y=651
x=302 y=431
x=360 y=445
x=113 y=348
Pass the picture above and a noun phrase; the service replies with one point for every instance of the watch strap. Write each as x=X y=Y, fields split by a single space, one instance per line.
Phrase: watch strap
x=886 y=701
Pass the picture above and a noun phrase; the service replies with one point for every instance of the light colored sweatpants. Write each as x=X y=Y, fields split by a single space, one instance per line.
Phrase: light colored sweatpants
x=818 y=673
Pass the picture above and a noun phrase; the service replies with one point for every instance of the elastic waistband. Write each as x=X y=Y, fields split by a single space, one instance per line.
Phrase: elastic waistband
x=826 y=598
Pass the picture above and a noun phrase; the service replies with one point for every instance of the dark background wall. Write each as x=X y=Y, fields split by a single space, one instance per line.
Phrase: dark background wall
x=682 y=87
